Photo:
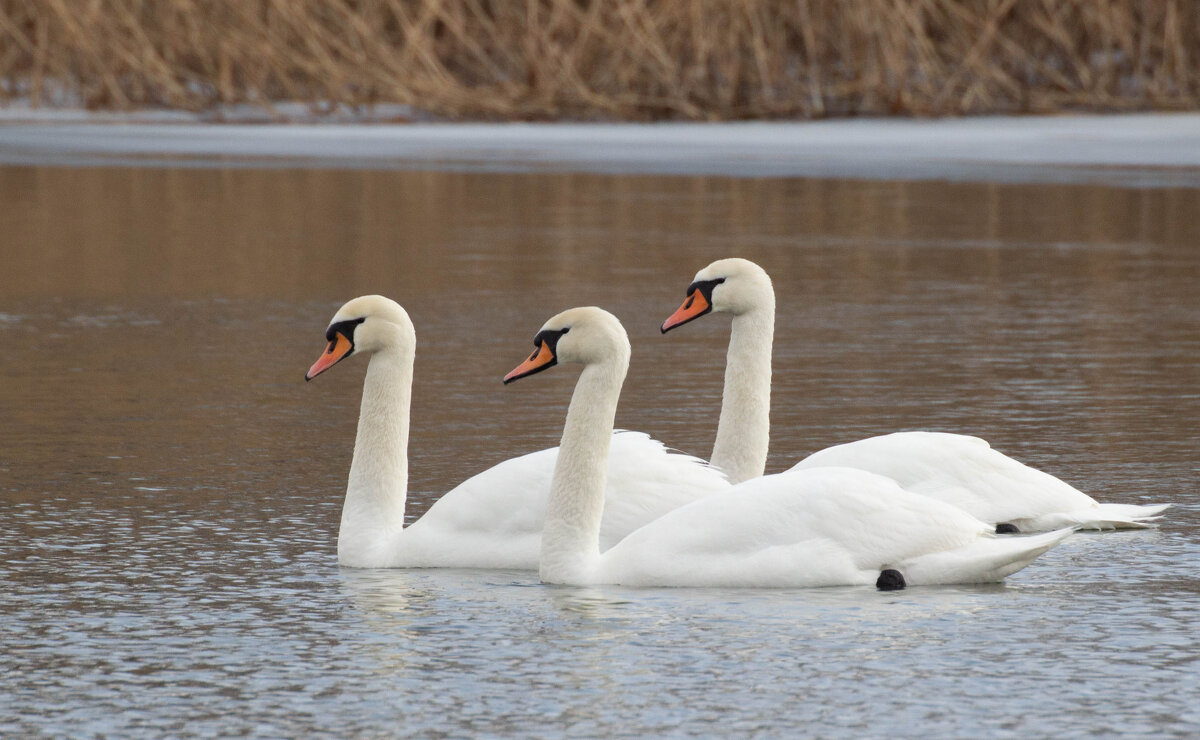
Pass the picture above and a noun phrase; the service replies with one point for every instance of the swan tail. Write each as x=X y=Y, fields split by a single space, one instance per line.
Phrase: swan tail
x=1099 y=517
x=987 y=560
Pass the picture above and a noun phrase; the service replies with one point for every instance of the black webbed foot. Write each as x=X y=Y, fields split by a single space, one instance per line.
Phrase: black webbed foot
x=890 y=580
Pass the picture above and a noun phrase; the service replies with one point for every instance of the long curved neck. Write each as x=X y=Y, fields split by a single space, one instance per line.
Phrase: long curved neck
x=744 y=431
x=571 y=535
x=373 y=513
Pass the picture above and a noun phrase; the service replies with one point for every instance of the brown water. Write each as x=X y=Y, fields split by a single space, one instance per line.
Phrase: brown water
x=171 y=487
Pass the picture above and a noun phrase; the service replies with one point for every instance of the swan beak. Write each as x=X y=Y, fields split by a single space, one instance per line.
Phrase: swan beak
x=339 y=349
x=695 y=306
x=542 y=358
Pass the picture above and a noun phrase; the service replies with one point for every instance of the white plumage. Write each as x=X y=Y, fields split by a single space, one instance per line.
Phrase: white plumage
x=494 y=519
x=819 y=527
x=968 y=473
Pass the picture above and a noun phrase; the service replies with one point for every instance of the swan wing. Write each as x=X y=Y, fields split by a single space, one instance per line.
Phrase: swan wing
x=966 y=472
x=646 y=480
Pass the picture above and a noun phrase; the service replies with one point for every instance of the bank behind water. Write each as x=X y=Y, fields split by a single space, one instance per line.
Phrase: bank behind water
x=617 y=60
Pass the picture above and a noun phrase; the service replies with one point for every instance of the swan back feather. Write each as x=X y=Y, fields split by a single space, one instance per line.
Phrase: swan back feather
x=966 y=472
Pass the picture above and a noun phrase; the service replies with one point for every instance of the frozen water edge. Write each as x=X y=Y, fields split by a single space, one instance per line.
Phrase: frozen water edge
x=1145 y=150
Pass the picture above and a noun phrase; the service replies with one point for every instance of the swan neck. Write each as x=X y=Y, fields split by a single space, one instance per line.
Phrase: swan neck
x=743 y=433
x=378 y=484
x=571 y=536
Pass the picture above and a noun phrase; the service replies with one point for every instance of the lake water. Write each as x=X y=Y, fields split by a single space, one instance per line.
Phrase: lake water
x=171 y=488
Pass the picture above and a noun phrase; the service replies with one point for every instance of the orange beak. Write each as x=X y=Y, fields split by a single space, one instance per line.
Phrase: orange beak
x=541 y=359
x=337 y=351
x=695 y=306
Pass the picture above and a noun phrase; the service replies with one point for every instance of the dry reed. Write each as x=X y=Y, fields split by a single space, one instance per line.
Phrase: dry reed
x=608 y=59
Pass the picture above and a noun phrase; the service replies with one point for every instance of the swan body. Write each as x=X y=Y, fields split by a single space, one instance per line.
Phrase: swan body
x=956 y=469
x=495 y=518
x=966 y=472
x=817 y=527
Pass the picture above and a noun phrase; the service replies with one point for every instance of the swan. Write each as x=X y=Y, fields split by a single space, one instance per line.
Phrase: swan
x=957 y=469
x=494 y=519
x=818 y=527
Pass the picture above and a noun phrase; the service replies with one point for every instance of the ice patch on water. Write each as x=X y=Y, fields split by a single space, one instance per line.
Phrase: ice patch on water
x=1134 y=150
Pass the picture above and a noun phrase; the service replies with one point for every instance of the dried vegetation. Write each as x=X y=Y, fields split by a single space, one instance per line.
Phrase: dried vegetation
x=608 y=59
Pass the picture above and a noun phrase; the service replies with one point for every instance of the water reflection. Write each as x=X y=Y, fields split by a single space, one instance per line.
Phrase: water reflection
x=328 y=234
x=171 y=488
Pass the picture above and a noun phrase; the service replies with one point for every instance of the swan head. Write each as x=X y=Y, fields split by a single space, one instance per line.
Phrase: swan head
x=733 y=285
x=366 y=324
x=585 y=336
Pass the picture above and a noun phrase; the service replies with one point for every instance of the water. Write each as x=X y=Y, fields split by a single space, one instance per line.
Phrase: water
x=171 y=487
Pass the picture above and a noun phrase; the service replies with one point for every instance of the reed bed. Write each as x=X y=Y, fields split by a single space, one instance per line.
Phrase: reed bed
x=608 y=59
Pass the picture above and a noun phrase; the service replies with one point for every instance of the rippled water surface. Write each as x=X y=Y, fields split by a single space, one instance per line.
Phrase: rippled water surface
x=171 y=487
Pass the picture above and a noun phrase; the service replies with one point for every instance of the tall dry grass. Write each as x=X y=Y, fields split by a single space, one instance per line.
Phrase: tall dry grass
x=625 y=59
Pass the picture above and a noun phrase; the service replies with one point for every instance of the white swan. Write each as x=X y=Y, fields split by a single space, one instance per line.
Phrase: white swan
x=820 y=527
x=954 y=468
x=494 y=519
